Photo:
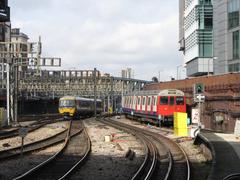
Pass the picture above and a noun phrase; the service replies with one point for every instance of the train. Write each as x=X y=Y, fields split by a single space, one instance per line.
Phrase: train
x=74 y=107
x=156 y=106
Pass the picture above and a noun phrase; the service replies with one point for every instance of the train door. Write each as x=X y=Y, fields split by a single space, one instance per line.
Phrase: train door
x=123 y=102
x=138 y=103
x=143 y=104
x=132 y=100
x=163 y=105
x=154 y=104
x=149 y=103
x=127 y=99
x=140 y=106
x=171 y=107
x=134 y=103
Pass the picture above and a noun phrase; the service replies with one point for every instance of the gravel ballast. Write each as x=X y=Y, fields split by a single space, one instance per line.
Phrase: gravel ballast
x=108 y=159
x=42 y=133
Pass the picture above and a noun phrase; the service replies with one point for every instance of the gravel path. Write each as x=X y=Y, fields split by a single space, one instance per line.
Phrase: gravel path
x=42 y=133
x=107 y=159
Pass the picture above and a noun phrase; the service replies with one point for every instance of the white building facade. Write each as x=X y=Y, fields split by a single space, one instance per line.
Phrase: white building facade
x=209 y=36
x=195 y=36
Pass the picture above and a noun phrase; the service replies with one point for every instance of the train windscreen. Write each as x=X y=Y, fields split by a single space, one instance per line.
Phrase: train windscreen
x=164 y=100
x=179 y=100
x=66 y=103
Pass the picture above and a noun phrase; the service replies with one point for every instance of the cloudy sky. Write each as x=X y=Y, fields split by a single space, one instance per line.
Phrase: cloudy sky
x=107 y=34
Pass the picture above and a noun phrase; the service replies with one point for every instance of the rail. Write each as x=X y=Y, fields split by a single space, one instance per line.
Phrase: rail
x=148 y=167
x=43 y=170
x=235 y=176
x=173 y=148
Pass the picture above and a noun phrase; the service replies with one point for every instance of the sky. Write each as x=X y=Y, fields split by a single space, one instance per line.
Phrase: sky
x=107 y=34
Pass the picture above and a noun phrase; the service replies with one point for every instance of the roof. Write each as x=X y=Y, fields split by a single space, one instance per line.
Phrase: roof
x=77 y=98
x=169 y=92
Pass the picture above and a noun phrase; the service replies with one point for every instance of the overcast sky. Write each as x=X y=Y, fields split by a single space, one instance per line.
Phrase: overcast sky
x=107 y=34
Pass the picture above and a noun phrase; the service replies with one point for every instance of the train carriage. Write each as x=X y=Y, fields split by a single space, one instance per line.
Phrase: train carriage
x=72 y=106
x=155 y=105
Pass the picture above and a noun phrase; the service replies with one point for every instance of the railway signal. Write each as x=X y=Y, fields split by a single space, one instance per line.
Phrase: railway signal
x=198 y=88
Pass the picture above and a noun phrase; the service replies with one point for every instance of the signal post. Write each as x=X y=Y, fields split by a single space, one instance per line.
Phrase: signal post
x=198 y=97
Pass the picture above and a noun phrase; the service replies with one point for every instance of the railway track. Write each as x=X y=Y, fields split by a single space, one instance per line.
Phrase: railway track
x=150 y=167
x=63 y=163
x=9 y=133
x=37 y=145
x=172 y=160
x=235 y=176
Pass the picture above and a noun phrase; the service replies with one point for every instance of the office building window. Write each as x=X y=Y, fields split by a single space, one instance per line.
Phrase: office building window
x=205 y=2
x=205 y=43
x=233 y=13
x=234 y=67
x=235 y=45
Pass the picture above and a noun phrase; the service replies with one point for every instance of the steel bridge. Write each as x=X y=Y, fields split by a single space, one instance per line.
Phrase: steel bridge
x=53 y=84
x=78 y=83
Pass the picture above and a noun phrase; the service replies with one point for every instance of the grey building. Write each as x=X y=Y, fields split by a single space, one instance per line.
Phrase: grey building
x=226 y=36
x=209 y=36
x=19 y=42
x=127 y=73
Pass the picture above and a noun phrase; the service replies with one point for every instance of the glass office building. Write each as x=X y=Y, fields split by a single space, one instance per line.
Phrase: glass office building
x=209 y=36
x=196 y=37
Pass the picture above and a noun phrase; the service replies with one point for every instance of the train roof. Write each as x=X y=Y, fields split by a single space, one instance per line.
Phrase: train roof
x=164 y=92
x=78 y=98
x=87 y=99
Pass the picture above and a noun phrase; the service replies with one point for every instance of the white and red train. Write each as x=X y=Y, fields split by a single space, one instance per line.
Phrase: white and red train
x=155 y=105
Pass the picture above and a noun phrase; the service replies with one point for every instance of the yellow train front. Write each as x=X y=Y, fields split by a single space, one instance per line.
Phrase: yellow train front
x=67 y=106
x=73 y=107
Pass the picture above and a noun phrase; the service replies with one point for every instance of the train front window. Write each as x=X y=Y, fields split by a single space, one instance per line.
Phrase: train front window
x=67 y=103
x=164 y=100
x=179 y=100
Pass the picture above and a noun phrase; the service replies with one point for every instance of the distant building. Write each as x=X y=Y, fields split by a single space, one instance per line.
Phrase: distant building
x=5 y=31
x=209 y=36
x=19 y=44
x=127 y=73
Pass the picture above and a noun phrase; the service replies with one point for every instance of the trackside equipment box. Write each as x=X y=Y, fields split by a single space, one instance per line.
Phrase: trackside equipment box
x=180 y=124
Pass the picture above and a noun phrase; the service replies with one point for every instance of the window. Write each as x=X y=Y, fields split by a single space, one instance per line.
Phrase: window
x=149 y=101
x=179 y=101
x=164 y=100
x=234 y=67
x=235 y=45
x=135 y=100
x=144 y=99
x=67 y=103
x=205 y=43
x=171 y=100
x=233 y=13
x=139 y=100
x=153 y=101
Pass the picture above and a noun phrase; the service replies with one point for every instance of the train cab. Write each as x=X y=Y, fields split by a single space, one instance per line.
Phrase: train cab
x=67 y=106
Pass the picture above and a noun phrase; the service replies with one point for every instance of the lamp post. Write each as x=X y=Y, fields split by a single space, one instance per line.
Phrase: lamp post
x=177 y=70
x=159 y=76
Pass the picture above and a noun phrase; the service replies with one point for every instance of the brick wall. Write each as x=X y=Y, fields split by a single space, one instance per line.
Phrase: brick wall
x=222 y=94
